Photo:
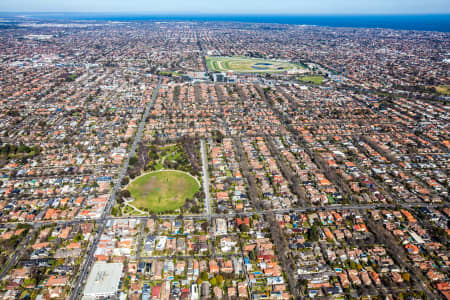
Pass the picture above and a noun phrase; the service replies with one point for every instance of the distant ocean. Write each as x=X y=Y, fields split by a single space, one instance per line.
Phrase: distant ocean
x=406 y=22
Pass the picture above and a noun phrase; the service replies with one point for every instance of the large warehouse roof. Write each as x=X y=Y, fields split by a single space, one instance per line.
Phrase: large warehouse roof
x=103 y=279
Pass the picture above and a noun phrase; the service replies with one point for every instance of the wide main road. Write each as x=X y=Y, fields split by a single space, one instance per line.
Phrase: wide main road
x=112 y=199
x=19 y=251
x=137 y=139
x=205 y=179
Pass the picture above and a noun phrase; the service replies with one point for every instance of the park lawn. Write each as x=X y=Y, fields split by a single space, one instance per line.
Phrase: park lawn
x=173 y=156
x=162 y=191
x=158 y=166
x=169 y=148
x=312 y=79
x=443 y=89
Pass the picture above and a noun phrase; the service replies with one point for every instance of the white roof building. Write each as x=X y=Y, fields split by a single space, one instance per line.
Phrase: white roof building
x=103 y=280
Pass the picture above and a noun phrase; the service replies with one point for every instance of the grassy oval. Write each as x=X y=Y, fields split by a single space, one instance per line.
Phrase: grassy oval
x=162 y=191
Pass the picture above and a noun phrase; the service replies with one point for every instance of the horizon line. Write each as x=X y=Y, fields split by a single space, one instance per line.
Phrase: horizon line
x=227 y=14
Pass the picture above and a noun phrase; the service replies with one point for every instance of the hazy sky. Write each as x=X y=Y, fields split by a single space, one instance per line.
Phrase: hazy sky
x=232 y=6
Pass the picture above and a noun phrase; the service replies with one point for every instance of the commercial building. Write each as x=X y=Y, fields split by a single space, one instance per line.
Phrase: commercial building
x=103 y=280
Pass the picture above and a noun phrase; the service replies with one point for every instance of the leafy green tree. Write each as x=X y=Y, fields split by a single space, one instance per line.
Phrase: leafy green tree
x=125 y=180
x=125 y=194
x=204 y=276
x=314 y=233
x=213 y=281
x=133 y=160
x=78 y=237
x=244 y=227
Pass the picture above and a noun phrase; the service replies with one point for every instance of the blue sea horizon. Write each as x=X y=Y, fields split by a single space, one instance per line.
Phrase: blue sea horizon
x=435 y=22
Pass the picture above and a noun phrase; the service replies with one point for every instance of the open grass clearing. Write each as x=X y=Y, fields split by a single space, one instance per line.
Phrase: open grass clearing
x=443 y=89
x=162 y=191
x=312 y=79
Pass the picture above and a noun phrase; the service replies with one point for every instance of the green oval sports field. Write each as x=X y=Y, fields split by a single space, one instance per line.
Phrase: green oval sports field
x=162 y=191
